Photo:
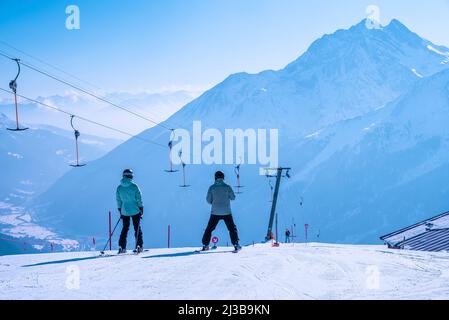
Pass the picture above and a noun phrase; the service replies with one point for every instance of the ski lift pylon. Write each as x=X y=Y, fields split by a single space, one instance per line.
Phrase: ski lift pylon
x=170 y=147
x=13 y=87
x=77 y=135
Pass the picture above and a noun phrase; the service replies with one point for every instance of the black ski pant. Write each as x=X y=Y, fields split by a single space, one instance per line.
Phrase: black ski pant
x=213 y=221
x=136 y=223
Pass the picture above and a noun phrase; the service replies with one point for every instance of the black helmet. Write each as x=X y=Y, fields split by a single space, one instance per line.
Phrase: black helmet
x=128 y=173
x=219 y=175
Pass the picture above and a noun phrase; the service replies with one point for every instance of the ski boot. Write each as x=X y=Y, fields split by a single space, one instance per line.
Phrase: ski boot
x=138 y=250
x=121 y=250
x=205 y=248
x=237 y=247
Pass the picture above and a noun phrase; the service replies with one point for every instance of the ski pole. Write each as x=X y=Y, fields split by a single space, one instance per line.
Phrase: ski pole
x=138 y=232
x=110 y=238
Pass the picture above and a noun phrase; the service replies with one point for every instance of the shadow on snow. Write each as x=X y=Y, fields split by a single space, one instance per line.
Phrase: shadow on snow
x=183 y=254
x=168 y=255
x=65 y=261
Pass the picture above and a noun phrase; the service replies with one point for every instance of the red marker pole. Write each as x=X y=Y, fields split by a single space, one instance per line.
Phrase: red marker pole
x=168 y=240
x=110 y=232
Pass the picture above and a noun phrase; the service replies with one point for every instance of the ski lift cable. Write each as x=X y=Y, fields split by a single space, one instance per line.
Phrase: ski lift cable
x=114 y=104
x=6 y=55
x=48 y=64
x=93 y=95
x=78 y=88
x=86 y=119
x=36 y=69
x=170 y=144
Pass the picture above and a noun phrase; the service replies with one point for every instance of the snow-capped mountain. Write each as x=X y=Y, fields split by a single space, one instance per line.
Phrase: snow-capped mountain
x=360 y=118
x=341 y=76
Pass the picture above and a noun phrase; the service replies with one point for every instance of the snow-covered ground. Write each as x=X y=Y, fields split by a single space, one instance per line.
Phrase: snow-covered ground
x=292 y=271
x=17 y=223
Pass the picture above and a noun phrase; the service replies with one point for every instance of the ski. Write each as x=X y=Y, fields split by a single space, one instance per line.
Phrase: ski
x=214 y=251
x=129 y=253
x=201 y=251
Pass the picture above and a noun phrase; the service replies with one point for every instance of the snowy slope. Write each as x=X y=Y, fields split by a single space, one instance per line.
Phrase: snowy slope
x=367 y=156
x=294 y=271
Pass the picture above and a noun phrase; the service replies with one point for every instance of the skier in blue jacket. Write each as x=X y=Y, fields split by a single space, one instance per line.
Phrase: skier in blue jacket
x=130 y=206
x=220 y=196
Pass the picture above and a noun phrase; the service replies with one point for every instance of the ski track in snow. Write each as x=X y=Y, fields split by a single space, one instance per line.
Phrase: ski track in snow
x=293 y=271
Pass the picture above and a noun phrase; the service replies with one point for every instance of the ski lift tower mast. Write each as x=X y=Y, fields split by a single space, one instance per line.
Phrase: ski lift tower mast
x=275 y=198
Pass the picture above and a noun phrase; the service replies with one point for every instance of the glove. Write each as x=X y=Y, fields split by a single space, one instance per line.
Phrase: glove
x=120 y=210
x=141 y=212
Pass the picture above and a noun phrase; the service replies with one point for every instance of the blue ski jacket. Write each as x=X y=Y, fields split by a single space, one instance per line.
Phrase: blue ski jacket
x=129 y=197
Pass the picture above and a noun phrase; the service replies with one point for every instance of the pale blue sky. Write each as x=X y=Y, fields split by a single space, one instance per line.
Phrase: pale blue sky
x=154 y=44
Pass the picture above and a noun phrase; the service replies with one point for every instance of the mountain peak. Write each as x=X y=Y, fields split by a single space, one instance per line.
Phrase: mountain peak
x=367 y=25
x=363 y=25
x=358 y=42
x=395 y=23
x=397 y=27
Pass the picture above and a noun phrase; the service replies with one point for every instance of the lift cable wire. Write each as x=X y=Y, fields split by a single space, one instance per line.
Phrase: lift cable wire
x=86 y=119
x=48 y=64
x=47 y=74
x=62 y=71
x=94 y=95
x=34 y=68
x=5 y=55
